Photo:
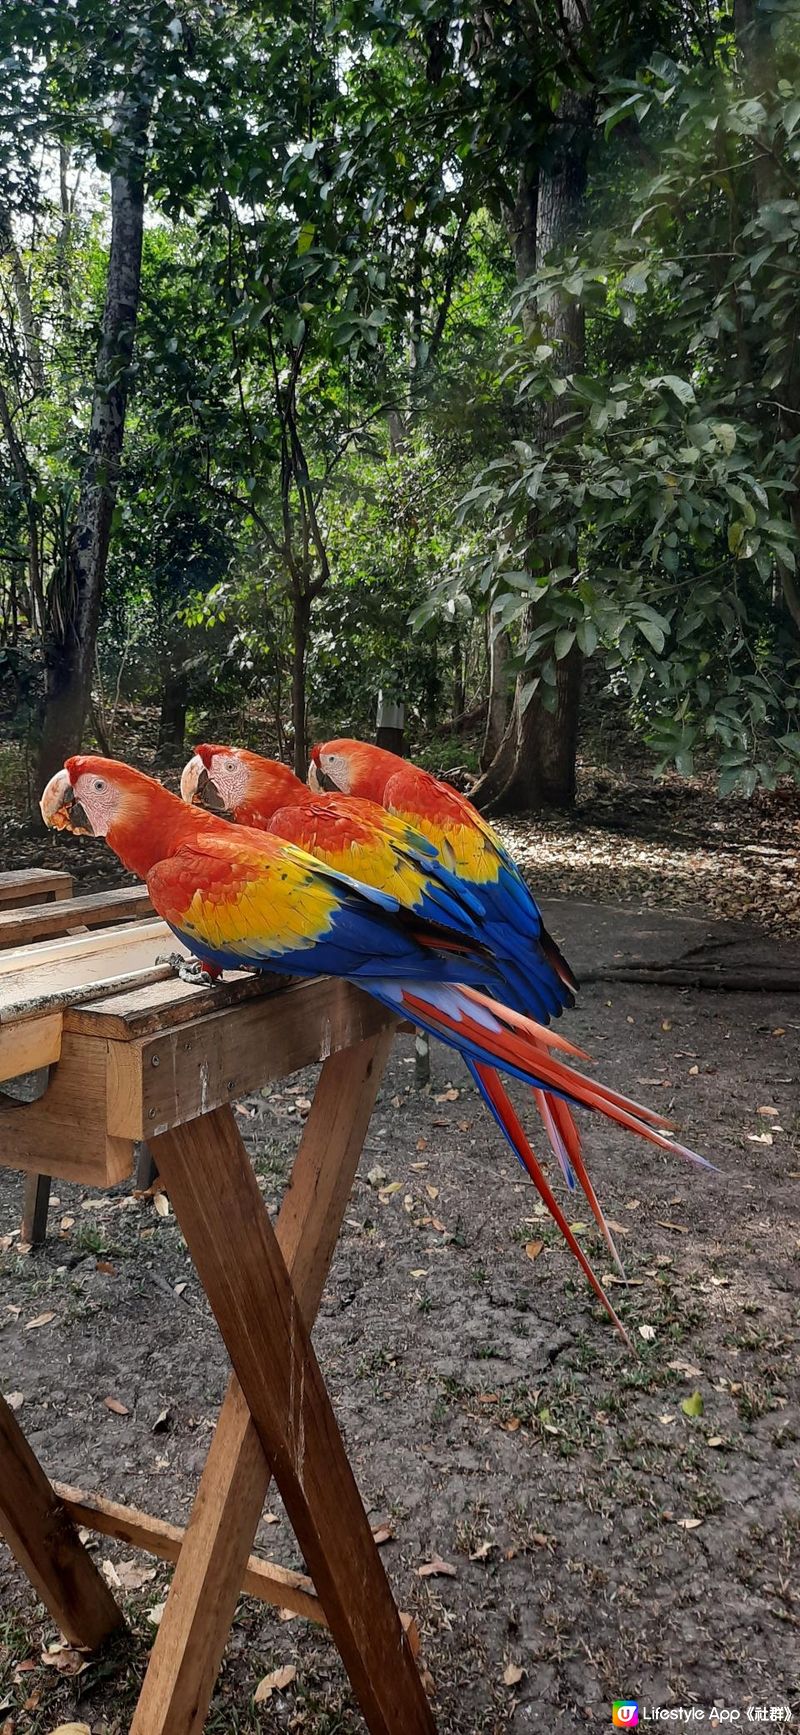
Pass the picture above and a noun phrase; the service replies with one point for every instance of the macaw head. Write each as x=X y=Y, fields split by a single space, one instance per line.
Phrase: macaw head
x=93 y=796
x=237 y=784
x=351 y=768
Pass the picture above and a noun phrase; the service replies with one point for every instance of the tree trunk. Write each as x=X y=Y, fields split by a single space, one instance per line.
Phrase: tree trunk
x=75 y=595
x=497 y=713
x=301 y=621
x=172 y=720
x=535 y=762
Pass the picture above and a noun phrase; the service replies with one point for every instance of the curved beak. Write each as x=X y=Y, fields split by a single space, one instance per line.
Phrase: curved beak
x=60 y=809
x=314 y=779
x=200 y=790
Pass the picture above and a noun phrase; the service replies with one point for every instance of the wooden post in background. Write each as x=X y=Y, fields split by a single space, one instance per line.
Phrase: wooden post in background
x=389 y=723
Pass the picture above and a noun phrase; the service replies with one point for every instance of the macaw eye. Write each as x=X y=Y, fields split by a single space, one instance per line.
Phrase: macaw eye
x=230 y=764
x=98 y=783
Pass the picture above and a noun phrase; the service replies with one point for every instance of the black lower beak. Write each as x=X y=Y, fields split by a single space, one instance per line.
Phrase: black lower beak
x=79 y=818
x=327 y=782
x=209 y=795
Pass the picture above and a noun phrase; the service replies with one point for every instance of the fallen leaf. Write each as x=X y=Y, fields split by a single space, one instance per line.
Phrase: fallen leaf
x=106 y=1266
x=155 y=1613
x=533 y=1248
x=72 y=1729
x=618 y=1228
x=666 y=1023
x=667 y=1420
x=450 y=1095
x=15 y=1400
x=677 y=1228
x=179 y=1287
x=377 y=1176
x=689 y=1523
x=65 y=1659
x=419 y=1272
x=512 y=1675
x=271 y=1518
x=715 y=1440
x=384 y=1533
x=436 y=1568
x=116 y=1406
x=41 y=1319
x=274 y=1683
x=132 y=1576
x=511 y=1426
x=110 y=1574
x=411 y=1631
x=693 y=1405
x=422 y=1145
x=481 y=1552
x=685 y=1367
x=161 y=1204
x=693 y=1071
x=287 y=1614
x=67 y=1223
x=767 y=1110
x=760 y=1138
x=432 y=1192
x=385 y=1193
x=647 y=1332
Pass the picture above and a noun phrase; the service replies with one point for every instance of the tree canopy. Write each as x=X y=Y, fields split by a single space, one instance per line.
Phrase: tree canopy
x=461 y=354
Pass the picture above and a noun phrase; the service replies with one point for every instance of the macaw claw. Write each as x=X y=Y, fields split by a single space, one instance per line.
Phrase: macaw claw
x=191 y=970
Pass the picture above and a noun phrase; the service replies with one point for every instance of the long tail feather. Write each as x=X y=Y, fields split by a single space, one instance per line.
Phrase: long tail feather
x=556 y=1113
x=505 y=1114
x=487 y=1038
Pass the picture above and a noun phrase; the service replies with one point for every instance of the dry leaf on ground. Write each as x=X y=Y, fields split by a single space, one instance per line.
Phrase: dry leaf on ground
x=512 y=1675
x=436 y=1568
x=116 y=1406
x=41 y=1319
x=274 y=1683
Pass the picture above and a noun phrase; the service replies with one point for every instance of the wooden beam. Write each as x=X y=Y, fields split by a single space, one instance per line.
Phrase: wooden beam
x=180 y=1074
x=35 y=1202
x=33 y=885
x=261 y=1578
x=233 y=1487
x=25 y=1047
x=210 y=1181
x=19 y=927
x=44 y=1541
x=64 y=1132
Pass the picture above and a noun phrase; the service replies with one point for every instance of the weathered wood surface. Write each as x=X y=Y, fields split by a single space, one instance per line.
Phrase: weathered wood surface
x=205 y=1589
x=18 y=927
x=65 y=1133
x=264 y=1579
x=176 y=1075
x=44 y=1541
x=210 y=1181
x=22 y=886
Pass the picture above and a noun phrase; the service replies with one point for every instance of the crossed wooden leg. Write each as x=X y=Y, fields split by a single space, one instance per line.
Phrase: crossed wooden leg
x=265 y=1317
x=46 y=1544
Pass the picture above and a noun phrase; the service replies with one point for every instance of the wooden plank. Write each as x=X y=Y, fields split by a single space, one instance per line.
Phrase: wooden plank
x=20 y=927
x=65 y=1132
x=33 y=885
x=44 y=1541
x=80 y=948
x=179 y=1074
x=24 y=1047
x=233 y=1487
x=151 y=1007
x=35 y=1203
x=210 y=1181
x=264 y=1579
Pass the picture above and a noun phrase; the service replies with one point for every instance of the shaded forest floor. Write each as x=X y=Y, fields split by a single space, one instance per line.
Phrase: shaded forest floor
x=611 y=1525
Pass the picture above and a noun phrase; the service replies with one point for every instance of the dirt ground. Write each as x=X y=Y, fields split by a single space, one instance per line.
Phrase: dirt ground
x=613 y=1525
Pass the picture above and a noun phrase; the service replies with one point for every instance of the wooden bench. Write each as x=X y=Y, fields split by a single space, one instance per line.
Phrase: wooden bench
x=136 y=1053
x=31 y=920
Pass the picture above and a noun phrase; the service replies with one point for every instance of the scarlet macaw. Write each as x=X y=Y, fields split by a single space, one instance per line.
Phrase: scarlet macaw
x=361 y=839
x=513 y=925
x=242 y=899
x=354 y=836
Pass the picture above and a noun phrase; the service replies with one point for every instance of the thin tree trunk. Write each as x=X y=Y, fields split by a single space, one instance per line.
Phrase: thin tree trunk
x=76 y=595
x=301 y=622
x=172 y=719
x=535 y=762
x=499 y=697
x=27 y=318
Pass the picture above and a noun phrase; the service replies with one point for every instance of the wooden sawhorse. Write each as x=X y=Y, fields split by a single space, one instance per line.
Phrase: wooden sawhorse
x=137 y=1054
